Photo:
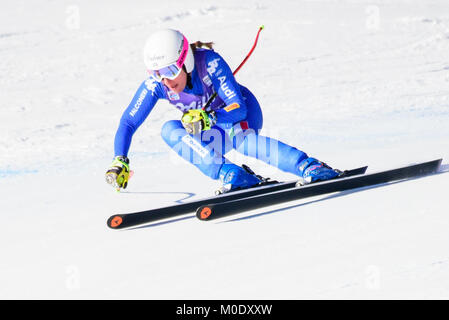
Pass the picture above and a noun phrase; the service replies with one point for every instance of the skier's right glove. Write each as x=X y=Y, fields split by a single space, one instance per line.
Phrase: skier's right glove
x=197 y=120
x=118 y=174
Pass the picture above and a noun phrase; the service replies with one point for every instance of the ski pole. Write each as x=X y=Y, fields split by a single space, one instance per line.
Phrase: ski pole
x=250 y=52
x=238 y=68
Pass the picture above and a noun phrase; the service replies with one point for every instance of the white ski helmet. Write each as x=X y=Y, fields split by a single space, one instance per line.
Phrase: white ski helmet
x=167 y=50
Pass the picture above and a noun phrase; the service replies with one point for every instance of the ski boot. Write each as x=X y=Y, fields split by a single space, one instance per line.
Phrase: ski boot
x=312 y=170
x=235 y=178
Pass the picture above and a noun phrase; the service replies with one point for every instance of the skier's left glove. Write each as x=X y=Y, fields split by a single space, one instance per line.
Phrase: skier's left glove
x=118 y=174
x=197 y=120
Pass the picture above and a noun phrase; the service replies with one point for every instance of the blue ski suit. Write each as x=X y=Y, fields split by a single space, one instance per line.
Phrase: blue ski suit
x=238 y=114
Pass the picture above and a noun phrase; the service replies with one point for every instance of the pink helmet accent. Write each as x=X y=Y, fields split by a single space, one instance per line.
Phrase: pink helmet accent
x=184 y=51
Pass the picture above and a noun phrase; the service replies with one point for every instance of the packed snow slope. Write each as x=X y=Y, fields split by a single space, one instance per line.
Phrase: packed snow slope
x=350 y=82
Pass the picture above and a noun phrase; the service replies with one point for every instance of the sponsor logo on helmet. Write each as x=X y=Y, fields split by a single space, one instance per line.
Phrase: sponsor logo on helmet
x=182 y=56
x=182 y=46
x=155 y=58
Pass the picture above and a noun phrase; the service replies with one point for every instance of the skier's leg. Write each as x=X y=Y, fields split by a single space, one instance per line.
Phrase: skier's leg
x=192 y=149
x=205 y=152
x=249 y=142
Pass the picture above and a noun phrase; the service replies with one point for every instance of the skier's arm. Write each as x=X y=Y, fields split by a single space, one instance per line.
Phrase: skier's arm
x=138 y=110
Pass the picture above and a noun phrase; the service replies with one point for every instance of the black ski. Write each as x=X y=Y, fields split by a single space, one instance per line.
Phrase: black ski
x=223 y=209
x=126 y=220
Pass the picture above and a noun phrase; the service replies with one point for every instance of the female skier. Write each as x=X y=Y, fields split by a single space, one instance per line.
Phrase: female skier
x=188 y=76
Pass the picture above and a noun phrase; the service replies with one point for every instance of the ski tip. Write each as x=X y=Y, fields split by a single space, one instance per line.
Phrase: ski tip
x=204 y=212
x=114 y=222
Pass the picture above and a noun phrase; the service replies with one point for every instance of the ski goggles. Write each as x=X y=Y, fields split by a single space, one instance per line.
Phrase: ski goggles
x=173 y=70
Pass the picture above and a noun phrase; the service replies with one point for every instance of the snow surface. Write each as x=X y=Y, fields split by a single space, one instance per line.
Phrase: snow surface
x=351 y=82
